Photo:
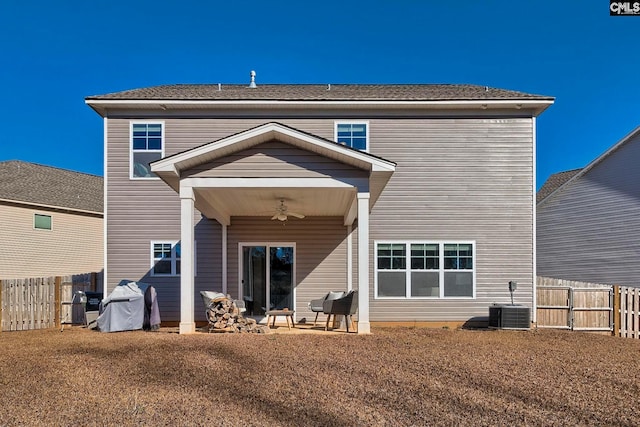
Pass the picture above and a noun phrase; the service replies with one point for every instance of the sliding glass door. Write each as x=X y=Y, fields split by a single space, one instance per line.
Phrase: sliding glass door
x=267 y=275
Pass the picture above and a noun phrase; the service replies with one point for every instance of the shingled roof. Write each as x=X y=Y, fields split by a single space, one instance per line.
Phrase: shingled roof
x=554 y=182
x=324 y=92
x=48 y=186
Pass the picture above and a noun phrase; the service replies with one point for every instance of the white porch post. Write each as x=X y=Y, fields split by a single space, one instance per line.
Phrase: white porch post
x=349 y=257
x=224 y=259
x=187 y=210
x=364 y=327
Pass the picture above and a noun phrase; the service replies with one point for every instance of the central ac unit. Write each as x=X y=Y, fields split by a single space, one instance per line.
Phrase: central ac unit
x=509 y=316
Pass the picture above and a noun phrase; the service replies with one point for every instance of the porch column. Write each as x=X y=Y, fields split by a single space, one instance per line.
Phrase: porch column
x=187 y=210
x=364 y=326
x=224 y=259
x=349 y=258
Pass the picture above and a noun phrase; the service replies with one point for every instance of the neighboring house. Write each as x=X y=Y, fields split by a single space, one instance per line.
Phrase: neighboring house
x=554 y=182
x=51 y=221
x=425 y=203
x=588 y=220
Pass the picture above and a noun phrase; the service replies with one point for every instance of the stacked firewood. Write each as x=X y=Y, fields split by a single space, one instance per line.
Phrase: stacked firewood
x=224 y=315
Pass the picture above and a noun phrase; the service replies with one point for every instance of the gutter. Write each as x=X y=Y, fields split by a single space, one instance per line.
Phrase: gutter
x=537 y=105
x=51 y=207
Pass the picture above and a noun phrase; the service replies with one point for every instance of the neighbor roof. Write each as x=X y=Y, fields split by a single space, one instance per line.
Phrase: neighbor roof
x=558 y=181
x=333 y=92
x=554 y=182
x=51 y=187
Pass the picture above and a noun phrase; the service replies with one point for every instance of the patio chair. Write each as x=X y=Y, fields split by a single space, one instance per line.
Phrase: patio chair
x=316 y=305
x=345 y=306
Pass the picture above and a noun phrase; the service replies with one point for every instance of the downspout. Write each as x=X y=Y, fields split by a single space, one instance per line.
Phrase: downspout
x=105 y=281
x=534 y=227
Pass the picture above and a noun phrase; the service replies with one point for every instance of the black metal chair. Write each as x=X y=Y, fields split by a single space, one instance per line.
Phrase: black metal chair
x=316 y=305
x=345 y=306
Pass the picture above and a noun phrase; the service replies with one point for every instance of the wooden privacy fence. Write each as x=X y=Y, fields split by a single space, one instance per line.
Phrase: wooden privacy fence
x=627 y=323
x=582 y=306
x=578 y=306
x=43 y=302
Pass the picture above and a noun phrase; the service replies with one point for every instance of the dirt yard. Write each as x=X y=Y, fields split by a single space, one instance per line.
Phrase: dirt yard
x=394 y=377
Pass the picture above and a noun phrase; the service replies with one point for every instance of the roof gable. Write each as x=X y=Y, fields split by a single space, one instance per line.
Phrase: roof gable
x=274 y=159
x=170 y=168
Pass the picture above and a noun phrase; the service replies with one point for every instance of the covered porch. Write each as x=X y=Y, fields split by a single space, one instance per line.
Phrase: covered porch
x=278 y=174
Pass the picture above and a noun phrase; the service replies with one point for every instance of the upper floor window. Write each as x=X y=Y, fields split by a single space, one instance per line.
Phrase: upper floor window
x=353 y=134
x=425 y=269
x=147 y=145
x=42 y=222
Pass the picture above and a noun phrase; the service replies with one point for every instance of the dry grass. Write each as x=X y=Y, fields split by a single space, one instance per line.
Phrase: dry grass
x=395 y=377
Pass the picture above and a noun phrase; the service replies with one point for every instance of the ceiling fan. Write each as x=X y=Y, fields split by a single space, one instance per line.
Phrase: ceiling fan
x=282 y=212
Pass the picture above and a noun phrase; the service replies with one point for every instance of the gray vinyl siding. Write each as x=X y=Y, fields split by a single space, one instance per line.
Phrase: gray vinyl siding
x=142 y=211
x=275 y=159
x=590 y=229
x=456 y=179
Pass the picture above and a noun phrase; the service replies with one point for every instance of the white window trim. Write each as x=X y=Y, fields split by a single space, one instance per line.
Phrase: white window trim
x=407 y=270
x=173 y=244
x=352 y=122
x=42 y=214
x=144 y=122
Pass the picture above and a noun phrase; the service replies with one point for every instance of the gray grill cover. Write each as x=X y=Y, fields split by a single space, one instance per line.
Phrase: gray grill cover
x=124 y=308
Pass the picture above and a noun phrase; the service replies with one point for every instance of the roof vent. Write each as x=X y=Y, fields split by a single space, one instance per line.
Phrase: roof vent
x=253 y=79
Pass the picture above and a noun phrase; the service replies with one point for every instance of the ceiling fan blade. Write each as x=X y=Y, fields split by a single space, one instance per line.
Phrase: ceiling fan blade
x=275 y=216
x=297 y=215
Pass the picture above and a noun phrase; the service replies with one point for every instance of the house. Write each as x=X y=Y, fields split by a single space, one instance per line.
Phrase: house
x=51 y=221
x=419 y=196
x=588 y=220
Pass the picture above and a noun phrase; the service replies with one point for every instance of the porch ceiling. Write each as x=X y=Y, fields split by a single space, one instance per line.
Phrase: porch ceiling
x=264 y=201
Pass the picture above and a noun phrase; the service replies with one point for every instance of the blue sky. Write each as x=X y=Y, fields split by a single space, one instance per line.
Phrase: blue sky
x=55 y=53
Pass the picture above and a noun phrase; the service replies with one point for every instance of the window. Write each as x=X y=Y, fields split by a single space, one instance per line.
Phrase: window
x=42 y=222
x=353 y=134
x=165 y=258
x=147 y=144
x=425 y=270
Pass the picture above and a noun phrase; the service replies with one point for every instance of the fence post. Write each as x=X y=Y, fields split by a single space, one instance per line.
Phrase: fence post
x=570 y=314
x=636 y=313
x=58 y=285
x=616 y=310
